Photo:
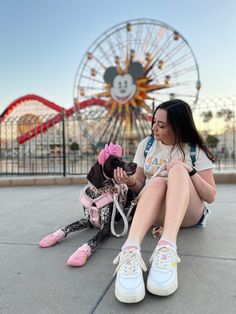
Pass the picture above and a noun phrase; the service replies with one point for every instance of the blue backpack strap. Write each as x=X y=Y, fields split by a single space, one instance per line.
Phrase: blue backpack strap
x=192 y=150
x=193 y=153
x=149 y=145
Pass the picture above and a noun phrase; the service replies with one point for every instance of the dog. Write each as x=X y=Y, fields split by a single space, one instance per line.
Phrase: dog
x=98 y=199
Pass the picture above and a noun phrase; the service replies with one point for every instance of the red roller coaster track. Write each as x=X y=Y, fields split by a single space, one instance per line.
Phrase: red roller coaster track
x=43 y=127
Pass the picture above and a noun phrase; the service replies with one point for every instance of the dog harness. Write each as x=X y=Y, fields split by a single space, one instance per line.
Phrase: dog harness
x=94 y=206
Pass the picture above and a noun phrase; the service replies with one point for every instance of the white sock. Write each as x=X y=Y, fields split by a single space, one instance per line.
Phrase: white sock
x=129 y=245
x=168 y=242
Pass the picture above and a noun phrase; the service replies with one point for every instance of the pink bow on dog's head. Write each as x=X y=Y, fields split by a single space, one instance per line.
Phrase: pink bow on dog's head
x=110 y=149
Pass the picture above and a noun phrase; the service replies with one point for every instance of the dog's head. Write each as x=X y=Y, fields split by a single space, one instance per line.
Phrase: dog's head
x=114 y=162
x=96 y=174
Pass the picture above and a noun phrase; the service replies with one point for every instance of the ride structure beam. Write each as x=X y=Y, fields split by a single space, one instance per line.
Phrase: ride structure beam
x=43 y=127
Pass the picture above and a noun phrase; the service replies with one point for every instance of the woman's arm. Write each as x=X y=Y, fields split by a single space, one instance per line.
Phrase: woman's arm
x=202 y=180
x=135 y=182
x=205 y=185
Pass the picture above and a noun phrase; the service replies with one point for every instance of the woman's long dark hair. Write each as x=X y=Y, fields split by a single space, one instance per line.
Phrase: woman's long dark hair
x=180 y=118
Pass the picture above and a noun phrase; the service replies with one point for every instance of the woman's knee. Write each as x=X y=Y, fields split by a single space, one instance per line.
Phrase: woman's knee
x=158 y=183
x=177 y=169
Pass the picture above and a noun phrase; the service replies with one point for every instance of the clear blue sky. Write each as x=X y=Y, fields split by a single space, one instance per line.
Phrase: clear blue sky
x=42 y=42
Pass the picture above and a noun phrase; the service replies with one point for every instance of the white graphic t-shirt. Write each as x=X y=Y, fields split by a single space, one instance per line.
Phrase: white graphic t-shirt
x=160 y=154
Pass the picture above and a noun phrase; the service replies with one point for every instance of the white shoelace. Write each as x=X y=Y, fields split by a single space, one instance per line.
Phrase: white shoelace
x=163 y=256
x=130 y=262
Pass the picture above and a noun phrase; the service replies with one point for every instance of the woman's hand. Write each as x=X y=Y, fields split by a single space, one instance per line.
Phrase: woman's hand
x=178 y=162
x=121 y=176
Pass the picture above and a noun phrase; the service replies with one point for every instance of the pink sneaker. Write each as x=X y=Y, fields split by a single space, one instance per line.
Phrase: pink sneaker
x=80 y=256
x=52 y=239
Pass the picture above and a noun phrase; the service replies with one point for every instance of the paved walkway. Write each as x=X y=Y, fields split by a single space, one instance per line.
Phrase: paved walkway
x=35 y=280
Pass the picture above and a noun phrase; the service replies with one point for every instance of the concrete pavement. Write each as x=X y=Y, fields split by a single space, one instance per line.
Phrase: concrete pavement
x=35 y=280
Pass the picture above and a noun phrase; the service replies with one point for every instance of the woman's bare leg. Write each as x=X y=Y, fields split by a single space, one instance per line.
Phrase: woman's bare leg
x=175 y=205
x=147 y=211
x=183 y=205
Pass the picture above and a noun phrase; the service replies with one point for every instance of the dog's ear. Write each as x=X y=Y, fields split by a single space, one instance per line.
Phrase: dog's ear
x=95 y=176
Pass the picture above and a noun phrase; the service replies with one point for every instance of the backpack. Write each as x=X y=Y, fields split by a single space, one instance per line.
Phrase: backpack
x=192 y=149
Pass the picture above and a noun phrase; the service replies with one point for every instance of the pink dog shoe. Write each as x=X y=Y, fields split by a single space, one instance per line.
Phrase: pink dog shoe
x=80 y=256
x=52 y=239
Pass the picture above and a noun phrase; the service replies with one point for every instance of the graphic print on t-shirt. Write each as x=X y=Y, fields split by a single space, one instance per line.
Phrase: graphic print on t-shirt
x=152 y=164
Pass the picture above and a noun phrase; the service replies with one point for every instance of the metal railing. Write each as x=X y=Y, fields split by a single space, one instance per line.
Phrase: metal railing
x=64 y=149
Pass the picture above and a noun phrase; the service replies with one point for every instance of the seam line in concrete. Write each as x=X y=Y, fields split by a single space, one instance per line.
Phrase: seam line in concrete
x=102 y=295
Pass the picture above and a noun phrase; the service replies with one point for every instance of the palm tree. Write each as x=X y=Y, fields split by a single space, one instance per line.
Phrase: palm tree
x=207 y=116
x=227 y=114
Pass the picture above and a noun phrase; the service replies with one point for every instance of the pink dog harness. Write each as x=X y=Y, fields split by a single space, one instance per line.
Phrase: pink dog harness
x=101 y=201
x=94 y=211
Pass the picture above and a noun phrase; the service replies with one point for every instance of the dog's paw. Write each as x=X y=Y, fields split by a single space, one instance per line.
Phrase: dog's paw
x=52 y=239
x=80 y=256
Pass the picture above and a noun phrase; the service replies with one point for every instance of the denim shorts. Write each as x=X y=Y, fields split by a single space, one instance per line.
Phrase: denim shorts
x=203 y=219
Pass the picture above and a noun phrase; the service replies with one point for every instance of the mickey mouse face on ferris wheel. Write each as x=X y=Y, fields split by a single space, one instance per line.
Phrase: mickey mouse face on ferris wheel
x=123 y=86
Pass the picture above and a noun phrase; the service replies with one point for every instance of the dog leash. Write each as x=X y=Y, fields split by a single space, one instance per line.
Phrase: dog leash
x=162 y=167
x=117 y=206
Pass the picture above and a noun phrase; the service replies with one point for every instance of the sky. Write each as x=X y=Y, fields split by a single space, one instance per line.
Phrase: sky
x=42 y=42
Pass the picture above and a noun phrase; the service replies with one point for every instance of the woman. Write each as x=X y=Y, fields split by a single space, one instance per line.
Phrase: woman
x=173 y=197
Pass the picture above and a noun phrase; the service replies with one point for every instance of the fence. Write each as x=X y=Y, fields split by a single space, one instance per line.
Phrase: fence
x=62 y=149
x=61 y=146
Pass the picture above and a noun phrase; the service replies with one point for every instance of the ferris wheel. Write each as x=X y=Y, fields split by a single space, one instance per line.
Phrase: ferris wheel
x=126 y=72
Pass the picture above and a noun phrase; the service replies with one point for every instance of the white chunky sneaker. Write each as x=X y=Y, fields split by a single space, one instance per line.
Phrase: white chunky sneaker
x=162 y=279
x=129 y=287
